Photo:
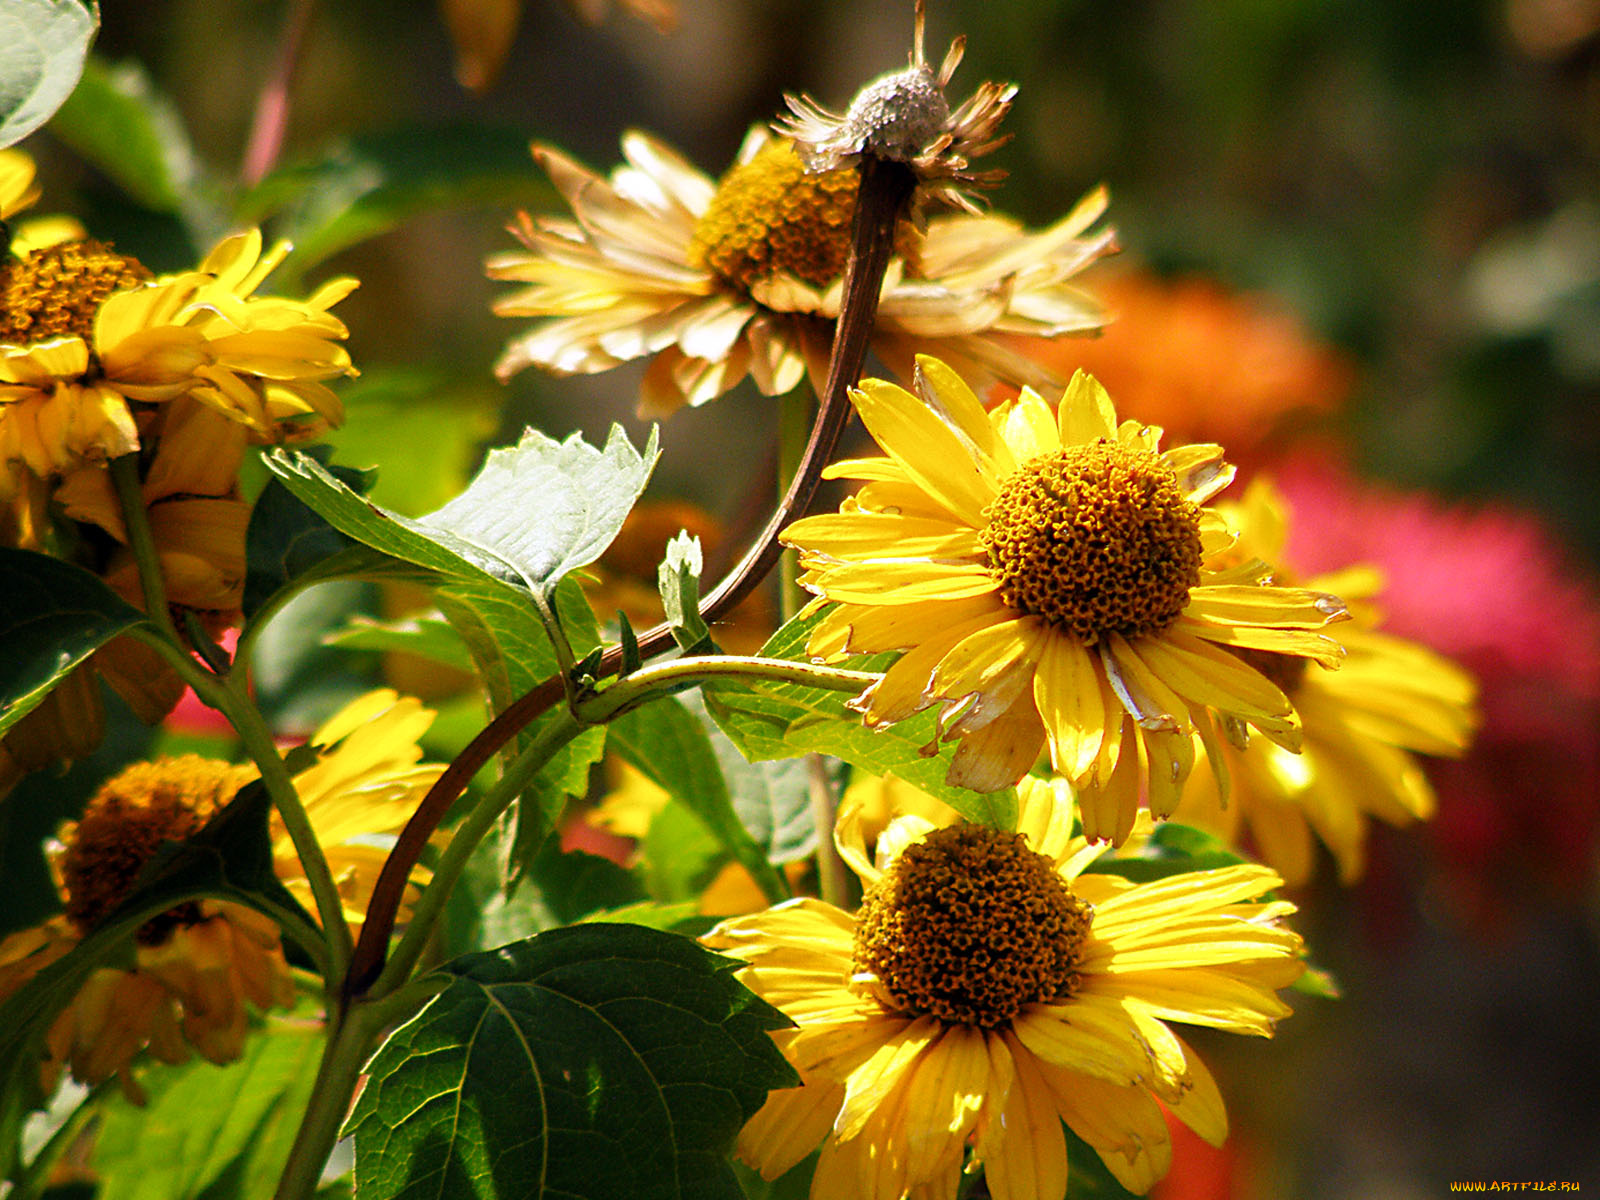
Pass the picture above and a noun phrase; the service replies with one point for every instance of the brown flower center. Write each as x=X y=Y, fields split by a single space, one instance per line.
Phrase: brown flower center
x=769 y=216
x=969 y=925
x=123 y=827
x=1095 y=539
x=57 y=290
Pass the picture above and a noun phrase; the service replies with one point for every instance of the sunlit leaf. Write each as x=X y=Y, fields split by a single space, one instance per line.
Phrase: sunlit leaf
x=213 y=1132
x=547 y=508
x=42 y=48
x=782 y=720
x=600 y=1062
x=53 y=615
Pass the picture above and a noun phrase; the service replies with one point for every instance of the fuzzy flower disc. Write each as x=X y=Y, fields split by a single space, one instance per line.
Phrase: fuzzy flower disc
x=1095 y=539
x=970 y=925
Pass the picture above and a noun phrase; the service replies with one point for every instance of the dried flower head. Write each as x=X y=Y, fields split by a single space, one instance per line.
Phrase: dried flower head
x=904 y=116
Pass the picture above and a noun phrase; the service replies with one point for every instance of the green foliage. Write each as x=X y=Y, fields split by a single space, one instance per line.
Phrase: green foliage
x=45 y=44
x=602 y=1062
x=427 y=637
x=546 y=508
x=670 y=745
x=782 y=720
x=52 y=616
x=120 y=122
x=361 y=186
x=209 y=1132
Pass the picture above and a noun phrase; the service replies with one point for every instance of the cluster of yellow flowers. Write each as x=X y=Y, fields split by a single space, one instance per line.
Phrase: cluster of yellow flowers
x=1091 y=626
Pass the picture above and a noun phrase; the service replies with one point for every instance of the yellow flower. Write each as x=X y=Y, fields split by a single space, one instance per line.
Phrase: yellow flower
x=200 y=967
x=1390 y=699
x=714 y=281
x=989 y=989
x=86 y=335
x=18 y=187
x=1055 y=582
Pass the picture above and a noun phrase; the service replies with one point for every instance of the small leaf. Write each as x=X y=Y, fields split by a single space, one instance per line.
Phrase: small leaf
x=368 y=184
x=667 y=742
x=287 y=539
x=679 y=580
x=1171 y=849
x=599 y=1062
x=631 y=661
x=212 y=1132
x=53 y=615
x=429 y=637
x=43 y=44
x=547 y=507
x=783 y=720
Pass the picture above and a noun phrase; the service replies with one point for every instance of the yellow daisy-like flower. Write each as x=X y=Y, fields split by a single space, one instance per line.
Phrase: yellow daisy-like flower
x=717 y=280
x=202 y=965
x=18 y=187
x=1055 y=581
x=988 y=990
x=86 y=333
x=1389 y=700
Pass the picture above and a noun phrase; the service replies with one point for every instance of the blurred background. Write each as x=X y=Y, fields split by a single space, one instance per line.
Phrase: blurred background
x=1361 y=249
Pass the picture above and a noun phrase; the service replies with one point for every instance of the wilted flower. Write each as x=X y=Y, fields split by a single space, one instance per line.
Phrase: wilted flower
x=714 y=281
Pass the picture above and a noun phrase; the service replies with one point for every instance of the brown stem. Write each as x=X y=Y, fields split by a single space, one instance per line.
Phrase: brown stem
x=882 y=194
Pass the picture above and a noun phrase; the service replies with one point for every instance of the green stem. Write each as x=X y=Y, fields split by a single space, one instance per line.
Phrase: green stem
x=142 y=543
x=337 y=1075
x=833 y=876
x=464 y=840
x=649 y=682
x=794 y=429
x=247 y=722
x=225 y=694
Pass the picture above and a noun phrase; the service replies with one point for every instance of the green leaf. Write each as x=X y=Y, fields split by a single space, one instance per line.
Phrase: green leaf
x=44 y=44
x=555 y=890
x=600 y=1062
x=667 y=742
x=365 y=185
x=782 y=720
x=53 y=615
x=547 y=508
x=119 y=122
x=209 y=1132
x=1171 y=849
x=429 y=637
x=679 y=580
x=678 y=856
x=288 y=543
x=425 y=426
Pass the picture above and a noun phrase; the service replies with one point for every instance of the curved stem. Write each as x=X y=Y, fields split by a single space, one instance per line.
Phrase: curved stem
x=464 y=840
x=884 y=190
